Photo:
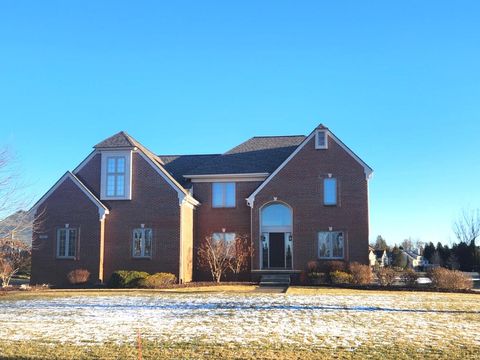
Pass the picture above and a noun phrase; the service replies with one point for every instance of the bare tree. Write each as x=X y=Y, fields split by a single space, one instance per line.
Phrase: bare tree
x=16 y=225
x=242 y=255
x=215 y=254
x=14 y=256
x=407 y=244
x=467 y=230
x=467 y=227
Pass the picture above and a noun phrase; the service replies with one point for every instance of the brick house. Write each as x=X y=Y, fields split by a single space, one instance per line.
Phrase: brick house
x=297 y=198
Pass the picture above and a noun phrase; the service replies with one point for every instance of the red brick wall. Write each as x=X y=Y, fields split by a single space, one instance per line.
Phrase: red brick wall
x=155 y=204
x=300 y=184
x=66 y=205
x=209 y=220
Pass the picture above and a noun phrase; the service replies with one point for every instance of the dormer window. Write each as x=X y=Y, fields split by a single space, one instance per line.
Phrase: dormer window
x=321 y=140
x=116 y=175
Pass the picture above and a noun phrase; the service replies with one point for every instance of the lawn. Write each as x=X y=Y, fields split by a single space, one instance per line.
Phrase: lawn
x=236 y=322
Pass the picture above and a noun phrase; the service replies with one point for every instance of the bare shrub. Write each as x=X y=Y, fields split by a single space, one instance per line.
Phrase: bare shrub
x=336 y=266
x=450 y=279
x=243 y=252
x=361 y=274
x=158 y=280
x=313 y=266
x=386 y=276
x=340 y=277
x=409 y=277
x=14 y=255
x=78 y=276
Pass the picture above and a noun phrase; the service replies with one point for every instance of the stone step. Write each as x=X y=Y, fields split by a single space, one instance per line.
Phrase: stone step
x=275 y=280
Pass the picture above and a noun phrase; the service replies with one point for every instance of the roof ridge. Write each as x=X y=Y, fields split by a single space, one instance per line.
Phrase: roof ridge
x=275 y=136
x=160 y=155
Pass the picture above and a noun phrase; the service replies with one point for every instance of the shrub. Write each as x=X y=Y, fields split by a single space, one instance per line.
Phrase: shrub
x=336 y=266
x=78 y=276
x=313 y=266
x=126 y=278
x=409 y=277
x=386 y=276
x=157 y=281
x=450 y=279
x=361 y=274
x=340 y=277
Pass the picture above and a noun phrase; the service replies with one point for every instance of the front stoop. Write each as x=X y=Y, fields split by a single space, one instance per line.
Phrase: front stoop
x=274 y=283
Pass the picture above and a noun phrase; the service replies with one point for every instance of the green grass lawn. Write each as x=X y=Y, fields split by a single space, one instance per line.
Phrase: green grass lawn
x=233 y=322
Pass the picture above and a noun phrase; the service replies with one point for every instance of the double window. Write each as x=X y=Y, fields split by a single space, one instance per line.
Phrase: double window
x=115 y=176
x=223 y=195
x=66 y=242
x=331 y=245
x=330 y=191
x=142 y=243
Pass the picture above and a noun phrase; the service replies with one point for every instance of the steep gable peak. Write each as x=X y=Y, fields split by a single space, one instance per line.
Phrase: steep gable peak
x=119 y=140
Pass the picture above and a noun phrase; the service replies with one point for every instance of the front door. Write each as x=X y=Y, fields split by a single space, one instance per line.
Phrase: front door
x=277 y=250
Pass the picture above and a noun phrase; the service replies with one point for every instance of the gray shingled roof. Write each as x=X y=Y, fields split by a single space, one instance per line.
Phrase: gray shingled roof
x=179 y=165
x=261 y=154
x=120 y=139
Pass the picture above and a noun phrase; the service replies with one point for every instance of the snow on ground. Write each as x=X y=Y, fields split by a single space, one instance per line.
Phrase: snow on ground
x=319 y=320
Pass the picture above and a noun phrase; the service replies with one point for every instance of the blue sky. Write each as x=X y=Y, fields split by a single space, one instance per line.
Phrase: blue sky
x=397 y=81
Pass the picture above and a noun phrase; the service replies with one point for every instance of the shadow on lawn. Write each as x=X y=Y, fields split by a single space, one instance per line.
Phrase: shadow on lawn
x=213 y=306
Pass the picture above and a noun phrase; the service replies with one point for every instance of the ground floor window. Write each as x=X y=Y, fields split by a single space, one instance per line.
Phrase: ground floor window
x=142 y=243
x=223 y=236
x=66 y=242
x=331 y=245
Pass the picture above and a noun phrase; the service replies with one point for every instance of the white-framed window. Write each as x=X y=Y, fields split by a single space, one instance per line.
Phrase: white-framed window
x=142 y=243
x=330 y=191
x=67 y=242
x=116 y=176
x=223 y=195
x=224 y=236
x=321 y=140
x=331 y=245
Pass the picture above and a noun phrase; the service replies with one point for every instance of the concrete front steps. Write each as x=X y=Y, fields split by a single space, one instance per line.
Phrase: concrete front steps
x=275 y=280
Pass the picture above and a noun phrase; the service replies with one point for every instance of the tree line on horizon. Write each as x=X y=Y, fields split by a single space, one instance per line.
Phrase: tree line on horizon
x=462 y=255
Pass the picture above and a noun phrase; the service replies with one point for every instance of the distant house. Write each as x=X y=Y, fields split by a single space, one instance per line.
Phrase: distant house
x=414 y=260
x=378 y=257
x=297 y=198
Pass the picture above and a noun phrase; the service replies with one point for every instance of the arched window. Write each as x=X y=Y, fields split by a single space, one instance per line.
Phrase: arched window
x=275 y=215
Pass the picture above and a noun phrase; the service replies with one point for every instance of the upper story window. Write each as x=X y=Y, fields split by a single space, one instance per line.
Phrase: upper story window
x=223 y=195
x=116 y=175
x=321 y=140
x=330 y=191
x=142 y=243
x=330 y=245
x=66 y=242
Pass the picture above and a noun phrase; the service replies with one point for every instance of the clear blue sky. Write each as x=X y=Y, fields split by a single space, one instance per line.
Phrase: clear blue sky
x=398 y=81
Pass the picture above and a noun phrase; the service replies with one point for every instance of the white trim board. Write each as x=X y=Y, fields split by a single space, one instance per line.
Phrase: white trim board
x=102 y=209
x=367 y=169
x=227 y=177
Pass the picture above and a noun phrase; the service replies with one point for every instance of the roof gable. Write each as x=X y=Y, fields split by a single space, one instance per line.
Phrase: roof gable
x=102 y=209
x=368 y=170
x=119 y=140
